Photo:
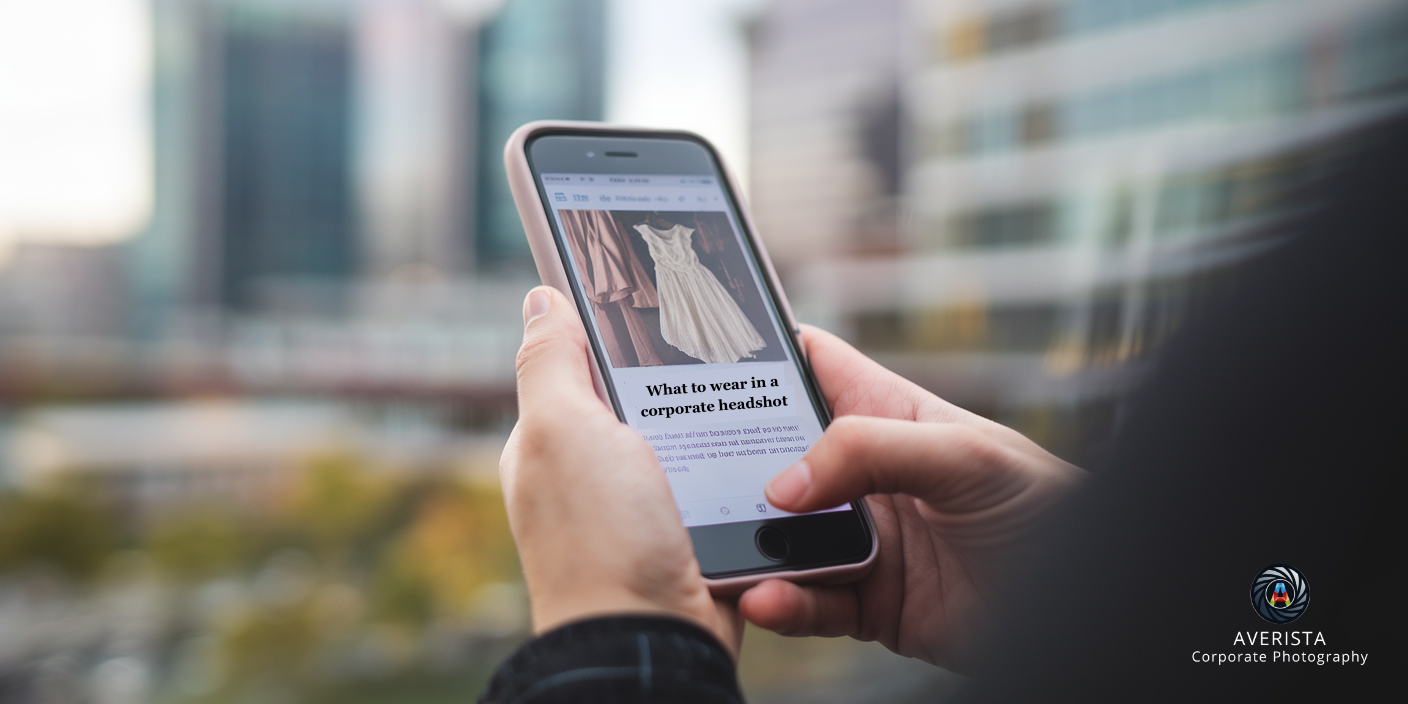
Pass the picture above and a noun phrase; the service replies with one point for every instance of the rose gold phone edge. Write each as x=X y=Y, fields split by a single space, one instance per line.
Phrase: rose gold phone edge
x=551 y=270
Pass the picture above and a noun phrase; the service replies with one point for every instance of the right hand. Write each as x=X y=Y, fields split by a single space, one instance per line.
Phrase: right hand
x=949 y=492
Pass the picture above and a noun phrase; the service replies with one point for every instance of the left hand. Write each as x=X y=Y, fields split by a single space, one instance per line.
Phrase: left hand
x=591 y=510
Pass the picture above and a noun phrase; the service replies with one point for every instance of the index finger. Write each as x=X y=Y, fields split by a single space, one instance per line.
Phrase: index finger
x=954 y=468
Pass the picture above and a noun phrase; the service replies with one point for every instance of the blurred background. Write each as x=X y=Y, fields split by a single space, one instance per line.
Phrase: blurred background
x=260 y=281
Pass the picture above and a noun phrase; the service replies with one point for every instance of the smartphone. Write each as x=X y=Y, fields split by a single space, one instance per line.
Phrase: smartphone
x=693 y=343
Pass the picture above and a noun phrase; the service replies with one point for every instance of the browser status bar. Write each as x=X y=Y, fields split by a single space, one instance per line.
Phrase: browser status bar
x=566 y=197
x=618 y=180
x=655 y=192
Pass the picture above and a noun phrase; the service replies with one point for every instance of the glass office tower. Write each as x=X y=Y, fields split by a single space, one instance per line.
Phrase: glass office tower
x=538 y=59
x=286 y=201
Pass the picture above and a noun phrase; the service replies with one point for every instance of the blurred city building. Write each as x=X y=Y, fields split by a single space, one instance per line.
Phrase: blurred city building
x=825 y=130
x=1074 y=177
x=330 y=213
x=280 y=190
x=540 y=58
x=288 y=393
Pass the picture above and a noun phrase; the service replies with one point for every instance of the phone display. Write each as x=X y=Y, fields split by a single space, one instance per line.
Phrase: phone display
x=690 y=341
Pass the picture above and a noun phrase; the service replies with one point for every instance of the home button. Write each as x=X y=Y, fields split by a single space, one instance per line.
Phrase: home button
x=771 y=543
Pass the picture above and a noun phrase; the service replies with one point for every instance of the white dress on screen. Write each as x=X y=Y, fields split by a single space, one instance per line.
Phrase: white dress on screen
x=697 y=315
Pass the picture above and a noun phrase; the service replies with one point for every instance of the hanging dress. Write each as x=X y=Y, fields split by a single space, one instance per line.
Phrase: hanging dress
x=612 y=276
x=697 y=315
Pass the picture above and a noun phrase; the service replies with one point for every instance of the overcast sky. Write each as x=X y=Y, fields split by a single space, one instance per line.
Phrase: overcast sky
x=75 y=145
x=682 y=64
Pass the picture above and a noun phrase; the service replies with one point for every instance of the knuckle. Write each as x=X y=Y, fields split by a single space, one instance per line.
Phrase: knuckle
x=847 y=436
x=534 y=347
x=534 y=440
x=975 y=446
x=508 y=459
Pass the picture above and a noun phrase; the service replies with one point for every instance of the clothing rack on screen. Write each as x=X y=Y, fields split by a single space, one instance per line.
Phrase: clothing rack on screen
x=612 y=276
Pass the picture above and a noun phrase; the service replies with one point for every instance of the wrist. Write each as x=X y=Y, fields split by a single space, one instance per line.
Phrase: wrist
x=553 y=610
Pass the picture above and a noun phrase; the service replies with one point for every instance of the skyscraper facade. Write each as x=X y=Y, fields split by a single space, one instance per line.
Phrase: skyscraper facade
x=826 y=126
x=538 y=59
x=286 y=193
x=1078 y=176
x=416 y=128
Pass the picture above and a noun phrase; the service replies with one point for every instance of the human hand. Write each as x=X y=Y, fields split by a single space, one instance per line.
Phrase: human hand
x=949 y=491
x=591 y=510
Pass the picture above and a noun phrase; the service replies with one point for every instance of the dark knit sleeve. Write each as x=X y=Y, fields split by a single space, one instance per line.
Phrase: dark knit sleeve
x=617 y=659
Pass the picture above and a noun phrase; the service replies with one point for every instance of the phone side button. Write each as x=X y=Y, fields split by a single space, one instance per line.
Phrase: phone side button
x=772 y=543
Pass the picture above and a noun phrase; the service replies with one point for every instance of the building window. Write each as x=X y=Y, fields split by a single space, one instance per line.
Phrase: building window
x=1009 y=225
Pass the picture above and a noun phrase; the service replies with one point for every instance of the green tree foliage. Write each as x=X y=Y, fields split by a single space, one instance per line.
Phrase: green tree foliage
x=60 y=529
x=455 y=543
x=274 y=645
x=200 y=544
x=339 y=505
x=343 y=563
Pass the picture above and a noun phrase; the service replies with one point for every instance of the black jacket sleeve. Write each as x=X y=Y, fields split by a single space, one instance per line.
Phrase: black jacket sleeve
x=618 y=659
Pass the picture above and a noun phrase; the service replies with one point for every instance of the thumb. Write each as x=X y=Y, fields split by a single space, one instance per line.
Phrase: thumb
x=553 y=363
x=954 y=468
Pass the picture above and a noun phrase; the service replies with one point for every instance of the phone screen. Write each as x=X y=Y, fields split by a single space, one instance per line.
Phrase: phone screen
x=696 y=355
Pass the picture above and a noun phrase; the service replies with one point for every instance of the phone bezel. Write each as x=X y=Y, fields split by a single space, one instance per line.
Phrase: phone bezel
x=724 y=541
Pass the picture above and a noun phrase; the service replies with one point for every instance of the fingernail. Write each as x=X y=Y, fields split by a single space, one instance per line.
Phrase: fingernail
x=789 y=487
x=537 y=306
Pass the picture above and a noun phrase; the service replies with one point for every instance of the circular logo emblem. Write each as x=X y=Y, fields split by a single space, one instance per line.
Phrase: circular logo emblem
x=1280 y=594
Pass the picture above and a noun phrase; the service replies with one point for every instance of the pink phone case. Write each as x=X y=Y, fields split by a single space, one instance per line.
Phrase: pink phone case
x=553 y=273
